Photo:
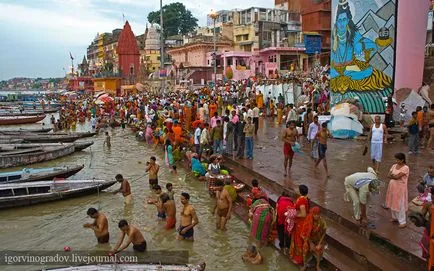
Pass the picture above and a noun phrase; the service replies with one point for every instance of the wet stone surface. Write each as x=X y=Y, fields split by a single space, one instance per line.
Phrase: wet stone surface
x=344 y=157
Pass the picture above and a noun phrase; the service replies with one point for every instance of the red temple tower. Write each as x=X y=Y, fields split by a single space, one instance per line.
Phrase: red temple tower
x=129 y=54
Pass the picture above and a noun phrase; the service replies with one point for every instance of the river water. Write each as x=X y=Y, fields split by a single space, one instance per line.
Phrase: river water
x=54 y=225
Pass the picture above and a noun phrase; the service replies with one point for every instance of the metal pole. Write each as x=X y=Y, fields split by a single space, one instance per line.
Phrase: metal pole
x=162 y=45
x=215 y=56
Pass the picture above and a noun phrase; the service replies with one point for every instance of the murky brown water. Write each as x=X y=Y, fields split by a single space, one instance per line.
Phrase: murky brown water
x=55 y=225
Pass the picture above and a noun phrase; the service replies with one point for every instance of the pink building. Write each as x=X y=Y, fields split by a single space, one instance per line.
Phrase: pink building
x=266 y=61
x=195 y=54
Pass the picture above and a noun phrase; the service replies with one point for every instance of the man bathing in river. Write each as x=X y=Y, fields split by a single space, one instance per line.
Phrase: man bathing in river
x=188 y=219
x=289 y=137
x=125 y=188
x=223 y=207
x=134 y=236
x=99 y=225
x=169 y=208
x=152 y=167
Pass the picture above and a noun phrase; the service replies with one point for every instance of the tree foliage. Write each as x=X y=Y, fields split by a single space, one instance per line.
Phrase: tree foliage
x=229 y=73
x=176 y=19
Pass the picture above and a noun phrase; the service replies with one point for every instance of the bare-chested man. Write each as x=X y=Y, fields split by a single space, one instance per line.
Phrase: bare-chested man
x=134 y=236
x=125 y=189
x=322 y=137
x=188 y=219
x=152 y=167
x=99 y=225
x=289 y=137
x=223 y=206
x=170 y=210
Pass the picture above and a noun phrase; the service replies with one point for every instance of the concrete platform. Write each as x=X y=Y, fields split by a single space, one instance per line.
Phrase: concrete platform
x=344 y=158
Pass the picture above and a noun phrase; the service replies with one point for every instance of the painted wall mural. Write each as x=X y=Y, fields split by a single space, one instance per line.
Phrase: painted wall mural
x=363 y=52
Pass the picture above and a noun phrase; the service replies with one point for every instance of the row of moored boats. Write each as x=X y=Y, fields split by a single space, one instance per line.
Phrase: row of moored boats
x=30 y=186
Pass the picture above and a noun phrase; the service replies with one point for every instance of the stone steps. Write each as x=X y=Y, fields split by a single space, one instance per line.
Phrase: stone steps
x=334 y=259
x=349 y=245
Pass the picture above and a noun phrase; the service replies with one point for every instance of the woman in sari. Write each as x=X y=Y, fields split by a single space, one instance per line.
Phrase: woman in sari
x=169 y=154
x=397 y=191
x=261 y=216
x=297 y=241
x=314 y=233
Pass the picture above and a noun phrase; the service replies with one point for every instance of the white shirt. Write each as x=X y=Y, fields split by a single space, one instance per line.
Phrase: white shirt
x=197 y=134
x=204 y=136
x=250 y=113
x=255 y=112
x=313 y=130
x=377 y=134
x=202 y=113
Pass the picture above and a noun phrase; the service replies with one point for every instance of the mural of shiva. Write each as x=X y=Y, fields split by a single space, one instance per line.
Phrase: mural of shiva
x=352 y=74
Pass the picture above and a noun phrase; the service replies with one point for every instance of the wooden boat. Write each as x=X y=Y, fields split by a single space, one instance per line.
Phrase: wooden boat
x=11 y=141
x=10 y=120
x=80 y=134
x=39 y=174
x=30 y=193
x=51 y=110
x=25 y=133
x=16 y=112
x=14 y=155
x=40 y=138
x=135 y=267
x=21 y=130
x=79 y=146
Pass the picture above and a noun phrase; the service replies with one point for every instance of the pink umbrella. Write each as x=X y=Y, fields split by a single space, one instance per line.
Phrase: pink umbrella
x=105 y=98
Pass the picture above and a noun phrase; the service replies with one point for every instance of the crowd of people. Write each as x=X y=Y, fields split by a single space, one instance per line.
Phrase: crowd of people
x=205 y=123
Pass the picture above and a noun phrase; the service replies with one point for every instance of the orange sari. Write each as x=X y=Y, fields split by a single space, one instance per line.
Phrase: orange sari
x=297 y=240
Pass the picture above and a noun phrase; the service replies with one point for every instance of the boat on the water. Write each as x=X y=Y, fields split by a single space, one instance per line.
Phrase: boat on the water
x=135 y=267
x=30 y=193
x=54 y=135
x=14 y=155
x=39 y=174
x=16 y=112
x=79 y=146
x=11 y=120
x=41 y=138
x=21 y=130
x=51 y=110
x=11 y=141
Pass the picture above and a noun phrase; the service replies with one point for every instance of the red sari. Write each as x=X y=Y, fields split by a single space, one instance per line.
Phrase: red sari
x=297 y=241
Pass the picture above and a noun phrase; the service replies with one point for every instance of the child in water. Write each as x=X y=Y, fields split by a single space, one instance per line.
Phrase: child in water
x=107 y=140
x=252 y=255
x=170 y=191
x=161 y=214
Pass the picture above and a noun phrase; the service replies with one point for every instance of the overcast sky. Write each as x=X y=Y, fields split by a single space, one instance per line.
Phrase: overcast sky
x=37 y=35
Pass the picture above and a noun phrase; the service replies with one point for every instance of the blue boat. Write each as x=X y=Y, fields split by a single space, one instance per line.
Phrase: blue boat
x=39 y=174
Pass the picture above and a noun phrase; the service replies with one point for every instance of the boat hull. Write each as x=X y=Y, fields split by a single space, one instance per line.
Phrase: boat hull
x=4 y=120
x=42 y=130
x=45 y=138
x=48 y=154
x=63 y=172
x=27 y=200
